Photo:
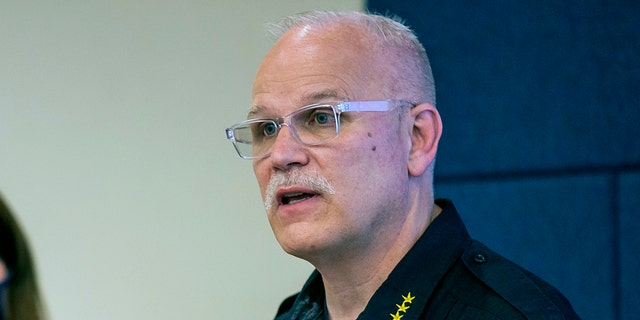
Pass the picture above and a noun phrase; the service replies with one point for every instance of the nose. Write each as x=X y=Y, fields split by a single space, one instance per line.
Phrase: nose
x=287 y=151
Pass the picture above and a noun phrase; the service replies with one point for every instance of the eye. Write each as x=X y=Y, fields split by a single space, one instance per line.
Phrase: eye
x=321 y=117
x=269 y=129
x=262 y=130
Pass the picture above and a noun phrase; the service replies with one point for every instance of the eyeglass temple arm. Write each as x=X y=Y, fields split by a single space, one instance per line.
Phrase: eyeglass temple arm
x=355 y=106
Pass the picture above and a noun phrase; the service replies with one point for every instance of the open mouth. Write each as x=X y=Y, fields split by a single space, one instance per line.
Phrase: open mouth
x=295 y=197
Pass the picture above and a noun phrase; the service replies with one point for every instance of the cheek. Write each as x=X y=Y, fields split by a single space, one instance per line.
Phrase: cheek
x=372 y=154
x=3 y=272
x=382 y=145
x=387 y=150
x=262 y=176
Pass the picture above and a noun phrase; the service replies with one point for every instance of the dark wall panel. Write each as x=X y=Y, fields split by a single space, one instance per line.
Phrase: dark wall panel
x=630 y=245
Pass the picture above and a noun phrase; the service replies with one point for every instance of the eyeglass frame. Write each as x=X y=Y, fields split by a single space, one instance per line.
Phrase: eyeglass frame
x=338 y=109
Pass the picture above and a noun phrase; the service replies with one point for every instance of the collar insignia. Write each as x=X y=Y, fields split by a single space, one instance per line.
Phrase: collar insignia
x=402 y=308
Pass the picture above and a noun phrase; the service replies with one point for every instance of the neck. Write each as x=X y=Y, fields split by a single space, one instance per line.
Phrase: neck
x=350 y=280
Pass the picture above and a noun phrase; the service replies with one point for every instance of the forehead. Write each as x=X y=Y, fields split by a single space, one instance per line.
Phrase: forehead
x=311 y=97
x=316 y=64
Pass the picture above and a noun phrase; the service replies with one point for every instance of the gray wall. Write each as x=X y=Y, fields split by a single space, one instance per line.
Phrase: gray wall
x=541 y=150
x=113 y=156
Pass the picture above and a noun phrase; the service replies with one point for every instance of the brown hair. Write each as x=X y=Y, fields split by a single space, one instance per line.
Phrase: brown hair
x=21 y=294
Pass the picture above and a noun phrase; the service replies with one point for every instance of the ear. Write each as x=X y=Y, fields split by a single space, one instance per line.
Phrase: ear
x=425 y=134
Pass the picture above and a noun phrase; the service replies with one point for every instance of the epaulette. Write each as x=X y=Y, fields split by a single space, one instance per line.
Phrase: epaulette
x=526 y=292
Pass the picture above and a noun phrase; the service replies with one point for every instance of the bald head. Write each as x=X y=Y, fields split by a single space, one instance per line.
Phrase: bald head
x=389 y=50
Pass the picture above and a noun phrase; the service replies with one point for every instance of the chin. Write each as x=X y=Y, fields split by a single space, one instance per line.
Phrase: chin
x=309 y=254
x=302 y=239
x=299 y=245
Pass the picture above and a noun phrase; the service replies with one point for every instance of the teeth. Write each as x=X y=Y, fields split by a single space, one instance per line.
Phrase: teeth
x=295 y=201
x=296 y=197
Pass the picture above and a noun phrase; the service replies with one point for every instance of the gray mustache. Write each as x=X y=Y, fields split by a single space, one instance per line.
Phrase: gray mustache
x=310 y=180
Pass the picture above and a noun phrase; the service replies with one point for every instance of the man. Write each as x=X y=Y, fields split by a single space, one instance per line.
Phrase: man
x=343 y=134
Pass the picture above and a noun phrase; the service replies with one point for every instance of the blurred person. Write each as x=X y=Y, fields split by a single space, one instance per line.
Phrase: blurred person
x=343 y=134
x=19 y=295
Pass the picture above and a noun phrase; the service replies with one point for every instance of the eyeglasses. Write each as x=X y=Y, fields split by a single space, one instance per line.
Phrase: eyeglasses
x=311 y=125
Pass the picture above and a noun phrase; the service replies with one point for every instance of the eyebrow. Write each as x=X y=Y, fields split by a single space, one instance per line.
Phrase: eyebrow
x=321 y=95
x=255 y=109
x=307 y=99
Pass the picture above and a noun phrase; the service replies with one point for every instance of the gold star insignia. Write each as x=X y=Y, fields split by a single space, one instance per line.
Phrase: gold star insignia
x=396 y=316
x=408 y=298
x=402 y=308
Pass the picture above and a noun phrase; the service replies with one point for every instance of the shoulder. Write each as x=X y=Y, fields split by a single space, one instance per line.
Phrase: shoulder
x=286 y=305
x=530 y=295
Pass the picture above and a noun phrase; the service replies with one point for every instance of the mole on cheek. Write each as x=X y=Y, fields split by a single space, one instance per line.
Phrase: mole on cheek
x=369 y=134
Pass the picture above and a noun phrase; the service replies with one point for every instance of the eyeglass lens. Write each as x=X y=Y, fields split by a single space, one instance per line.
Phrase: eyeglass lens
x=310 y=125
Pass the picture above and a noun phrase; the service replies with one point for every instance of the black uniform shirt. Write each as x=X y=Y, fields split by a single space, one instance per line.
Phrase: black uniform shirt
x=445 y=275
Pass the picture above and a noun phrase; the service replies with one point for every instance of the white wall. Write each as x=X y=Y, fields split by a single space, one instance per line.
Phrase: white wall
x=113 y=156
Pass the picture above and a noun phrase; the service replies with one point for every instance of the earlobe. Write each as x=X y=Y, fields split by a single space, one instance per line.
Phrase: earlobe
x=425 y=135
